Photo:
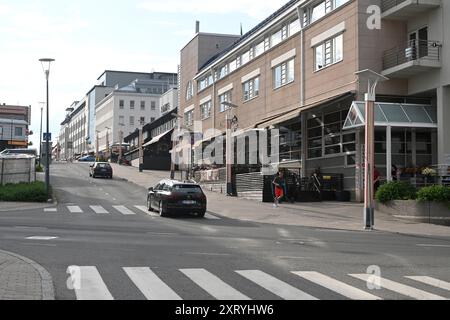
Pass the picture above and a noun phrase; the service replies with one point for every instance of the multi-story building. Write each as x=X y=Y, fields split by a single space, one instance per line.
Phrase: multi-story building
x=14 y=125
x=72 y=138
x=296 y=71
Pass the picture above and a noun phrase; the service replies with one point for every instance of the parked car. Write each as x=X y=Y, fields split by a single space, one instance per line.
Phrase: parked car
x=87 y=159
x=101 y=169
x=171 y=196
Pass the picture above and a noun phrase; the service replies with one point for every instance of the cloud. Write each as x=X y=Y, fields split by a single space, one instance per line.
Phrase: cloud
x=254 y=8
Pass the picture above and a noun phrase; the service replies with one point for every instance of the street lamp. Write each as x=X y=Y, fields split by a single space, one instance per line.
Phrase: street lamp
x=107 y=142
x=372 y=79
x=141 y=144
x=172 y=163
x=46 y=62
x=229 y=119
x=40 y=134
x=97 y=155
x=121 y=141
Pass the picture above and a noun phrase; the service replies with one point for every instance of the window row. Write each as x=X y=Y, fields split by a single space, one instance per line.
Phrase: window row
x=142 y=120
x=133 y=105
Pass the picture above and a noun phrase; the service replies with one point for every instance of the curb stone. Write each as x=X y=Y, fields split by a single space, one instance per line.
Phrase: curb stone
x=48 y=292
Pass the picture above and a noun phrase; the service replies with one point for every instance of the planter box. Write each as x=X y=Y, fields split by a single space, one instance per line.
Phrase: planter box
x=425 y=212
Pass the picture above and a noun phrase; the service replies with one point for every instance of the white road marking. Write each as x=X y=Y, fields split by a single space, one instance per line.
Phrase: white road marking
x=151 y=286
x=432 y=282
x=278 y=287
x=50 y=210
x=124 y=210
x=284 y=233
x=211 y=217
x=208 y=254
x=99 y=210
x=88 y=284
x=398 y=287
x=434 y=245
x=213 y=285
x=336 y=286
x=41 y=238
x=144 y=209
x=74 y=209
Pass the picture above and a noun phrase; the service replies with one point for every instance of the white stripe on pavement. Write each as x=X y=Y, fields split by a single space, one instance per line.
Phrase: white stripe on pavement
x=397 y=287
x=124 y=210
x=432 y=282
x=50 y=210
x=151 y=286
x=74 y=209
x=211 y=217
x=213 y=285
x=88 y=284
x=145 y=209
x=99 y=209
x=336 y=286
x=278 y=287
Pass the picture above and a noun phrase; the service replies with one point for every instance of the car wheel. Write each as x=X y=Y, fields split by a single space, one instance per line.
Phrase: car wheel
x=201 y=214
x=162 y=212
x=149 y=204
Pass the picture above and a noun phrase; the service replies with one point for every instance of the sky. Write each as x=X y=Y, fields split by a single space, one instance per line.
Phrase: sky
x=88 y=37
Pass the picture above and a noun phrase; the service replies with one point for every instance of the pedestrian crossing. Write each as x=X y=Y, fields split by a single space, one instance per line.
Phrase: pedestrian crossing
x=88 y=284
x=109 y=210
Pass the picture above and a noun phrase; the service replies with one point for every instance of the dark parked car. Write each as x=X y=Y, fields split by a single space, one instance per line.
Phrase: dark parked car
x=101 y=169
x=170 y=196
x=87 y=159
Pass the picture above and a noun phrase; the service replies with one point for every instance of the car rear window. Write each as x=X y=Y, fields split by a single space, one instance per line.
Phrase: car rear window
x=103 y=166
x=185 y=188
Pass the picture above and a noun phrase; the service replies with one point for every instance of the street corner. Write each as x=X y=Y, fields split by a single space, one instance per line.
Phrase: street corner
x=23 y=279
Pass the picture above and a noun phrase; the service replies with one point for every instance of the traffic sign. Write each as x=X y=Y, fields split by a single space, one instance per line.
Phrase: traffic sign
x=49 y=135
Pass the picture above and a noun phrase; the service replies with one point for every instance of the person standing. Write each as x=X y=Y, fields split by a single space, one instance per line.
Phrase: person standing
x=394 y=173
x=278 y=182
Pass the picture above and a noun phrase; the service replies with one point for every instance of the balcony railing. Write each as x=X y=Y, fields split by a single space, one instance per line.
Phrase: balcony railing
x=389 y=4
x=411 y=51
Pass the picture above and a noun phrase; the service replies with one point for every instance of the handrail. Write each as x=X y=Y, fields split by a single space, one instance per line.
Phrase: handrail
x=410 y=51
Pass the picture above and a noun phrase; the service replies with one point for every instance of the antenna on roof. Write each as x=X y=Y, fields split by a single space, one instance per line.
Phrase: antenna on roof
x=242 y=32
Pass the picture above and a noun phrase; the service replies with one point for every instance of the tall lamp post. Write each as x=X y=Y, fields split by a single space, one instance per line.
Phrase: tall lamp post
x=40 y=134
x=229 y=119
x=107 y=142
x=172 y=163
x=97 y=146
x=372 y=79
x=120 y=141
x=46 y=62
x=141 y=144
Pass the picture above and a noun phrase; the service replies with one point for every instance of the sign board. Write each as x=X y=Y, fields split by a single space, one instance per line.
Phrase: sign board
x=69 y=145
x=47 y=136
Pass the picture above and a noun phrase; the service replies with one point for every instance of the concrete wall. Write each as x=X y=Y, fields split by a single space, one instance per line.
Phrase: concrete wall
x=17 y=170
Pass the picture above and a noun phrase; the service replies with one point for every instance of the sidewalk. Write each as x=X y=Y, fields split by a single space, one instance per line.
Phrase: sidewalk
x=328 y=215
x=23 y=279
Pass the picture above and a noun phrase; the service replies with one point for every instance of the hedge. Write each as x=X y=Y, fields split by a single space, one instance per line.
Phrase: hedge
x=396 y=191
x=434 y=194
x=24 y=192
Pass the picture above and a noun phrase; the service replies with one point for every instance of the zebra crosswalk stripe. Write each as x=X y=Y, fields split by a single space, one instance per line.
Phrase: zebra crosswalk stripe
x=50 y=210
x=336 y=286
x=145 y=210
x=398 y=287
x=432 y=282
x=99 y=209
x=213 y=285
x=74 y=209
x=151 y=286
x=211 y=217
x=88 y=284
x=278 y=287
x=124 y=210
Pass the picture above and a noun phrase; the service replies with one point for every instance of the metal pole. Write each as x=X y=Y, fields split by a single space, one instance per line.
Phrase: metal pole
x=40 y=140
x=47 y=143
x=121 y=143
x=228 y=156
x=141 y=151
x=369 y=208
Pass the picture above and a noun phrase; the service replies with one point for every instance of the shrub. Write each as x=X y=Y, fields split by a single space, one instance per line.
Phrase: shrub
x=24 y=192
x=39 y=168
x=434 y=194
x=396 y=191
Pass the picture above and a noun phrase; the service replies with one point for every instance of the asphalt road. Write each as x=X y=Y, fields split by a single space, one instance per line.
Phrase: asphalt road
x=119 y=251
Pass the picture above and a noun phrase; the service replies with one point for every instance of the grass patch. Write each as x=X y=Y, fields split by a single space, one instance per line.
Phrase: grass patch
x=24 y=192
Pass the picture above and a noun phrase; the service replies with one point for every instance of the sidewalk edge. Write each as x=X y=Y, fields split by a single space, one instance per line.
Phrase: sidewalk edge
x=48 y=292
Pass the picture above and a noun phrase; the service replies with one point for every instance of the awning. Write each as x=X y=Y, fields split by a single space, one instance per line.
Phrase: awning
x=157 y=138
x=285 y=116
x=394 y=115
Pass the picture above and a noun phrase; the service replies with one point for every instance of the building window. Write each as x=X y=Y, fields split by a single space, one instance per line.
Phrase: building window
x=205 y=82
x=18 y=131
x=131 y=121
x=329 y=52
x=121 y=120
x=153 y=105
x=226 y=97
x=245 y=58
x=259 y=49
x=132 y=104
x=251 y=89
x=190 y=90
x=121 y=104
x=143 y=105
x=232 y=66
x=294 y=27
x=142 y=120
x=1 y=131
x=276 y=38
x=205 y=110
x=223 y=71
x=284 y=74
x=189 y=118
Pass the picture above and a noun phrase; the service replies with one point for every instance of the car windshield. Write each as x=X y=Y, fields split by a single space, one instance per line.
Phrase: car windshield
x=186 y=188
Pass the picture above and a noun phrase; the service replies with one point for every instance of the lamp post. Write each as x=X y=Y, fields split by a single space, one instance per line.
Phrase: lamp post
x=107 y=142
x=46 y=62
x=229 y=119
x=373 y=79
x=172 y=163
x=121 y=142
x=97 y=145
x=40 y=134
x=141 y=144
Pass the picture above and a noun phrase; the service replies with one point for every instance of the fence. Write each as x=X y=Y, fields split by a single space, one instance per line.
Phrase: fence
x=410 y=51
x=17 y=170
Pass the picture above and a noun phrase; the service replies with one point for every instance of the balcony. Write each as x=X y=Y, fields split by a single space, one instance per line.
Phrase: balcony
x=412 y=58
x=406 y=9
